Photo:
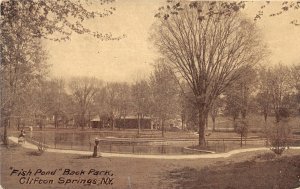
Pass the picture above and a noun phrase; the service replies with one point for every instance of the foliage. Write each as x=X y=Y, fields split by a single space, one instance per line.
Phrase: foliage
x=24 y=24
x=55 y=20
x=285 y=6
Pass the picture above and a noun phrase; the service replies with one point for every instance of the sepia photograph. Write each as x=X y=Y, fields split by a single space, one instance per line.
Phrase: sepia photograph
x=149 y=94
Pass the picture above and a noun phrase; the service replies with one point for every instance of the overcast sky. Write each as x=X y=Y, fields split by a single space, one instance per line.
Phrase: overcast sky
x=131 y=57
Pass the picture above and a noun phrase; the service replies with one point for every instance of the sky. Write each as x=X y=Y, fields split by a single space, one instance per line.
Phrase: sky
x=132 y=57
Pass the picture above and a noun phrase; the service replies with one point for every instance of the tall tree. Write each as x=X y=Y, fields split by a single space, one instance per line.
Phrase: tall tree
x=124 y=101
x=117 y=100
x=296 y=83
x=263 y=97
x=22 y=63
x=210 y=45
x=279 y=84
x=141 y=99
x=165 y=92
x=239 y=95
x=84 y=90
x=52 y=97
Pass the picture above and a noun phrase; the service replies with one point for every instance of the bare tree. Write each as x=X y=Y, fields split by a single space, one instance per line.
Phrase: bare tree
x=83 y=90
x=141 y=99
x=239 y=95
x=101 y=105
x=296 y=83
x=165 y=92
x=124 y=101
x=59 y=100
x=118 y=101
x=210 y=45
x=114 y=101
x=263 y=97
x=279 y=85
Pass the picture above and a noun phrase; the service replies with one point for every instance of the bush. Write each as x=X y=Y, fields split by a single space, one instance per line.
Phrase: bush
x=278 y=135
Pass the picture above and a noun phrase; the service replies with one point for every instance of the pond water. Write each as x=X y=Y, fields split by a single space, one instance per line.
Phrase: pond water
x=85 y=141
x=114 y=143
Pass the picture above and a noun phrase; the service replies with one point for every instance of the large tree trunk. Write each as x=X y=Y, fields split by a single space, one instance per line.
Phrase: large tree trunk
x=202 y=119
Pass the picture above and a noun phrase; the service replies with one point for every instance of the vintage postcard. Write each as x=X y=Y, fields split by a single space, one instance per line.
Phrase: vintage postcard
x=150 y=94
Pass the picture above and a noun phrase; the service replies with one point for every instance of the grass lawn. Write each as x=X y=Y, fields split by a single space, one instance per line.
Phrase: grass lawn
x=246 y=170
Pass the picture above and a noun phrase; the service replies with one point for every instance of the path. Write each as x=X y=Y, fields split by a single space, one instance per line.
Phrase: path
x=195 y=156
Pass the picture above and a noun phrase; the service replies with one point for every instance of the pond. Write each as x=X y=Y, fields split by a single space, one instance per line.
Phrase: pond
x=85 y=141
x=123 y=142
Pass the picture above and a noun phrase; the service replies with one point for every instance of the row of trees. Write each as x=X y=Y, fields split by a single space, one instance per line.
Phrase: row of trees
x=82 y=98
x=267 y=91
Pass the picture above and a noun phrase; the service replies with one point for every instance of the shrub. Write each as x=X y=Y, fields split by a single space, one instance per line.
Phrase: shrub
x=278 y=135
